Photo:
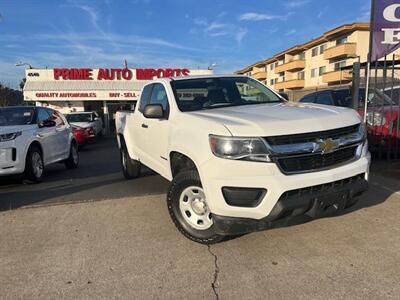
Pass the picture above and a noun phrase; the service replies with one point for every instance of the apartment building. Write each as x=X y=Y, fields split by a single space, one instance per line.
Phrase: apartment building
x=317 y=63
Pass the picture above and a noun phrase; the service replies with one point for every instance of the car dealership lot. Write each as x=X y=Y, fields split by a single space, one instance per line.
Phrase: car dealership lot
x=127 y=246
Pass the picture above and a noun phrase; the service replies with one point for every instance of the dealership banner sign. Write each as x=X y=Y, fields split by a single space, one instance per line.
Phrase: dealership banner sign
x=116 y=74
x=385 y=28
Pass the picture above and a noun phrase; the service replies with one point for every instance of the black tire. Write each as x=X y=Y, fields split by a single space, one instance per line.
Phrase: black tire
x=130 y=167
x=182 y=181
x=72 y=161
x=33 y=158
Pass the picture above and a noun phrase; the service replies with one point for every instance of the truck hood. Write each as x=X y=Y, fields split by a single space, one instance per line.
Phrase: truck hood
x=280 y=119
x=11 y=129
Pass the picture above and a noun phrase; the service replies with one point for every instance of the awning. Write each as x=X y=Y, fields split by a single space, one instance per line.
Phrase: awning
x=83 y=85
x=83 y=90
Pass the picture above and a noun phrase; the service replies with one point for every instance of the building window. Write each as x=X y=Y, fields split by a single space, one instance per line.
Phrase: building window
x=314 y=72
x=302 y=55
x=272 y=82
x=339 y=65
x=281 y=74
x=314 y=52
x=277 y=64
x=341 y=41
x=272 y=66
x=322 y=70
x=300 y=75
x=322 y=48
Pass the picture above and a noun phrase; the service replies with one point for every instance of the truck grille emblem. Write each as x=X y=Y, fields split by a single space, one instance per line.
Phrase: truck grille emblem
x=326 y=146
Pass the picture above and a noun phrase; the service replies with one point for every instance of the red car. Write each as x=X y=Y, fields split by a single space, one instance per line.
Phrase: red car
x=383 y=114
x=84 y=136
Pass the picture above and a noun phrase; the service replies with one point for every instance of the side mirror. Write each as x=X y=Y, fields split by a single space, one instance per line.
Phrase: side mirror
x=284 y=96
x=47 y=123
x=153 y=111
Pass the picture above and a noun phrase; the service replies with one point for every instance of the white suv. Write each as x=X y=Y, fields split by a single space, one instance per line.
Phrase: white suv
x=32 y=138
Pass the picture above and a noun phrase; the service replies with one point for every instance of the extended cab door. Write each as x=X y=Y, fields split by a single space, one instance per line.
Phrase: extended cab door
x=154 y=133
x=133 y=132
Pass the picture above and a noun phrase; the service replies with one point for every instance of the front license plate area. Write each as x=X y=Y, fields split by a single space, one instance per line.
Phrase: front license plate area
x=328 y=204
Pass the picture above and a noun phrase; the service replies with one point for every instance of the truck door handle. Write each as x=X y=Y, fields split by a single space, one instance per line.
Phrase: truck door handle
x=145 y=125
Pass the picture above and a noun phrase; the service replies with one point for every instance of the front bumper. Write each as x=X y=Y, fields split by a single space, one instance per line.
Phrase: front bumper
x=12 y=159
x=218 y=173
x=298 y=206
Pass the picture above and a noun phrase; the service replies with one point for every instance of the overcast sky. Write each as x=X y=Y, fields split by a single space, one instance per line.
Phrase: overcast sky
x=162 y=33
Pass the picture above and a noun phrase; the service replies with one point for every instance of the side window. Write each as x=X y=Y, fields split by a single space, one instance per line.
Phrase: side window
x=324 y=98
x=343 y=98
x=145 y=97
x=56 y=118
x=42 y=115
x=159 y=96
x=308 y=99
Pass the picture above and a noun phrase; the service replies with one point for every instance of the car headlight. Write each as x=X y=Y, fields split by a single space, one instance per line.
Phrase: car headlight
x=376 y=119
x=251 y=149
x=9 y=136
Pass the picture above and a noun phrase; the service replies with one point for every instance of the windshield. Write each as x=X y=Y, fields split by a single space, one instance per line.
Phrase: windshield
x=79 y=118
x=210 y=93
x=12 y=116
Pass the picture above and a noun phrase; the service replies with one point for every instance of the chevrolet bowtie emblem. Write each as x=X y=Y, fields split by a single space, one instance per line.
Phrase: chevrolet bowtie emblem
x=326 y=146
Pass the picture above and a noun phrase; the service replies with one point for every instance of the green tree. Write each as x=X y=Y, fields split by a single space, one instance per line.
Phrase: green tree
x=10 y=97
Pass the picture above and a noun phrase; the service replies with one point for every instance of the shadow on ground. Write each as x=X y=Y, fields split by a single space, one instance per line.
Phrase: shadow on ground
x=98 y=177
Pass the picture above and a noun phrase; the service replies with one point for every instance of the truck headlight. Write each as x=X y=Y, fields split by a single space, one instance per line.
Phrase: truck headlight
x=9 y=136
x=251 y=149
x=376 y=119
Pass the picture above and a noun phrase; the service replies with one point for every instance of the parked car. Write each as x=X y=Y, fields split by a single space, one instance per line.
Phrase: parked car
x=83 y=136
x=239 y=164
x=87 y=120
x=382 y=116
x=32 y=138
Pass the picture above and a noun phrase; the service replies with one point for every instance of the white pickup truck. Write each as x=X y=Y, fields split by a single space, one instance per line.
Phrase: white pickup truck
x=241 y=158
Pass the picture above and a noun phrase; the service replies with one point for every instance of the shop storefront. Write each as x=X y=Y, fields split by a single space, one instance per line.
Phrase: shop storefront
x=104 y=90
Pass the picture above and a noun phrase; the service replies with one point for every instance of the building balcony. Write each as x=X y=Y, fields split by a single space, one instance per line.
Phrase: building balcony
x=260 y=75
x=341 y=51
x=337 y=76
x=291 y=66
x=290 y=84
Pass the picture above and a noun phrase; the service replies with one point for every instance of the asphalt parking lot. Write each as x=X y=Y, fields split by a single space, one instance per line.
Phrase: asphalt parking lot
x=65 y=243
x=98 y=177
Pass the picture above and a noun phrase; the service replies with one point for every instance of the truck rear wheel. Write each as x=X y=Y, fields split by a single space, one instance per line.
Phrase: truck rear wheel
x=130 y=167
x=188 y=209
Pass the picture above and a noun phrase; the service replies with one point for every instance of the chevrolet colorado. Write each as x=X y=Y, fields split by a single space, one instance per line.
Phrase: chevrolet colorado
x=241 y=158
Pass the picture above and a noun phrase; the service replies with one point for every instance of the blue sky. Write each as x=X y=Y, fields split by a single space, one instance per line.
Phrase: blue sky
x=162 y=33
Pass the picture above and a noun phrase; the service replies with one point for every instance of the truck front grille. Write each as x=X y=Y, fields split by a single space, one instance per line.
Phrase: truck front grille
x=315 y=151
x=309 y=163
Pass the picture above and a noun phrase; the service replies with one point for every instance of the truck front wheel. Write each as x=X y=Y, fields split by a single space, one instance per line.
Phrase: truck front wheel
x=130 y=167
x=187 y=206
